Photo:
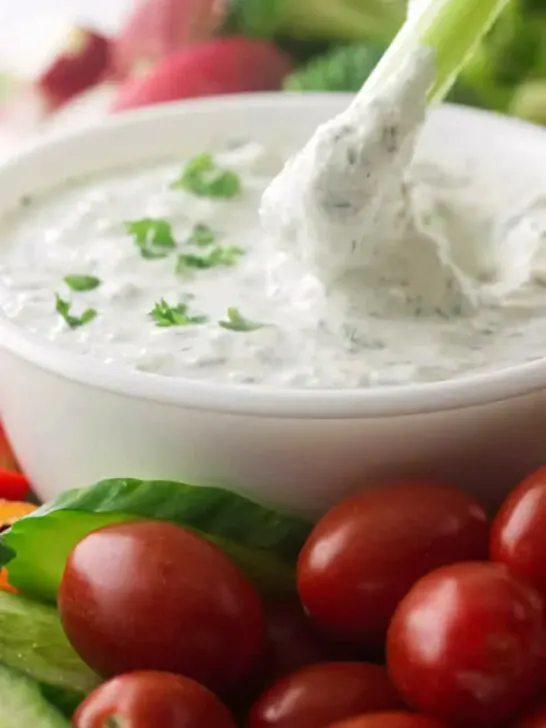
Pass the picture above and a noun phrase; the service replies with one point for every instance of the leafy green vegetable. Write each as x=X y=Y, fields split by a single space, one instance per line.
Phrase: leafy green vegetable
x=221 y=255
x=339 y=20
x=344 y=68
x=202 y=236
x=23 y=704
x=33 y=642
x=529 y=101
x=153 y=237
x=237 y=322
x=204 y=178
x=165 y=315
x=263 y=542
x=63 y=307
x=82 y=282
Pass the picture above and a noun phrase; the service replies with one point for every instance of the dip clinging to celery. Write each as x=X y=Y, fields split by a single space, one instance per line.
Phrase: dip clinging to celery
x=375 y=265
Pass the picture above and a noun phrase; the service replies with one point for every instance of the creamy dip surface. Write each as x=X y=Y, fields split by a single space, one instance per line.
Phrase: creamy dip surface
x=380 y=268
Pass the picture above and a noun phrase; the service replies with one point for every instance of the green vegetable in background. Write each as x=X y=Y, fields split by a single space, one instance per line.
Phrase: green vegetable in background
x=33 y=642
x=263 y=542
x=335 y=20
x=344 y=68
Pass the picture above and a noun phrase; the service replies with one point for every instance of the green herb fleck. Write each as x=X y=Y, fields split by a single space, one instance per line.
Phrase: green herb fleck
x=82 y=282
x=237 y=322
x=204 y=178
x=202 y=236
x=154 y=238
x=63 y=307
x=219 y=256
x=165 y=315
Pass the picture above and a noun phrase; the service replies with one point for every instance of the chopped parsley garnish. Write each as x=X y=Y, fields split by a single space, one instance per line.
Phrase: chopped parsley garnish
x=153 y=237
x=82 y=282
x=219 y=256
x=204 y=178
x=63 y=307
x=165 y=315
x=237 y=322
x=202 y=236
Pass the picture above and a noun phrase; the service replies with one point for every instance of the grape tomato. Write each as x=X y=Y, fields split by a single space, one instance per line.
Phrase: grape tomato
x=152 y=596
x=147 y=699
x=468 y=645
x=518 y=534
x=366 y=553
x=390 y=720
x=318 y=695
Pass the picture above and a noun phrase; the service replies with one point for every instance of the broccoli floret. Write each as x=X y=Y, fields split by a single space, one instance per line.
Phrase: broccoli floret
x=529 y=101
x=335 y=20
x=342 y=69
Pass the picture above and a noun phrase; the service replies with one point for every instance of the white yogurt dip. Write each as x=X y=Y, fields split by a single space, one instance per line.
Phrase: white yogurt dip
x=443 y=281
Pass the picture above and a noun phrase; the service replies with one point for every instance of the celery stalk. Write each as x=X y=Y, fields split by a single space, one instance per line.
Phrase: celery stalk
x=452 y=28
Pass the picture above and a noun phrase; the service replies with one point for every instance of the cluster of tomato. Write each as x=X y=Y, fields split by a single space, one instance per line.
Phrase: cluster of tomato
x=417 y=613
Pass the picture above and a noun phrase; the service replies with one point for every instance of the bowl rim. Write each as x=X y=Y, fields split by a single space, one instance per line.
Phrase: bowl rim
x=253 y=400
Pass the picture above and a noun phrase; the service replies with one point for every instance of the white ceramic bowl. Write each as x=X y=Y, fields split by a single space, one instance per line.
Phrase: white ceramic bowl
x=73 y=420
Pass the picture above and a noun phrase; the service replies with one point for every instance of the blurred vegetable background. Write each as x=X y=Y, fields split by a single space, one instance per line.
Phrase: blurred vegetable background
x=162 y=50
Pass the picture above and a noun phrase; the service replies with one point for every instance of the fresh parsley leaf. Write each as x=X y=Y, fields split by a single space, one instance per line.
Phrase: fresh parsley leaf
x=219 y=256
x=82 y=282
x=165 y=315
x=237 y=322
x=204 y=178
x=153 y=237
x=63 y=307
x=202 y=236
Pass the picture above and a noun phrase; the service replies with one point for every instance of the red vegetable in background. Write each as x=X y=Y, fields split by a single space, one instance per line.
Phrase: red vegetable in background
x=83 y=63
x=220 y=66
x=316 y=696
x=157 y=28
x=14 y=486
x=7 y=458
x=365 y=554
x=150 y=595
x=518 y=533
x=152 y=699
x=468 y=645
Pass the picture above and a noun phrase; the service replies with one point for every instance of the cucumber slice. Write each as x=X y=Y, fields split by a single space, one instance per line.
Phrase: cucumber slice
x=32 y=642
x=22 y=704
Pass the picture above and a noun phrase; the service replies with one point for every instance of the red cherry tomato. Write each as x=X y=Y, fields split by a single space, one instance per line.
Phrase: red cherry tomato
x=318 y=695
x=146 y=699
x=292 y=642
x=389 y=720
x=151 y=596
x=535 y=717
x=518 y=534
x=366 y=553
x=468 y=644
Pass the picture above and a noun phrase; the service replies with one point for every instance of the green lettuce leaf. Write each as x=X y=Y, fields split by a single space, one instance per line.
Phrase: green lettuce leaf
x=263 y=542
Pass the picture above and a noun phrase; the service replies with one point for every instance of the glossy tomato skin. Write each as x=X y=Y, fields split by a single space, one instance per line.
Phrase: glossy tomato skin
x=365 y=554
x=533 y=717
x=152 y=596
x=518 y=533
x=316 y=696
x=467 y=645
x=390 y=720
x=146 y=699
